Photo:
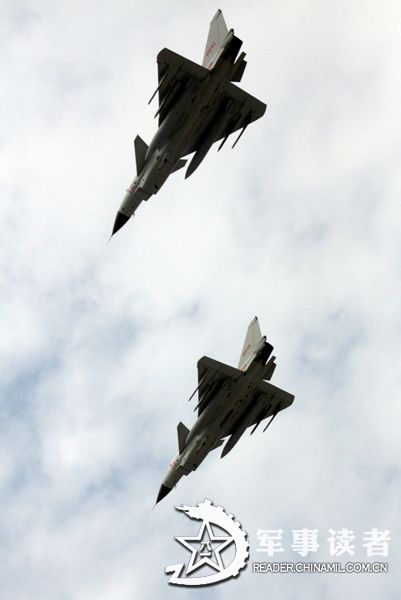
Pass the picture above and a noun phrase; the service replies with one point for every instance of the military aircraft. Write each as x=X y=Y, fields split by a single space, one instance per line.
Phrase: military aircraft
x=198 y=106
x=229 y=401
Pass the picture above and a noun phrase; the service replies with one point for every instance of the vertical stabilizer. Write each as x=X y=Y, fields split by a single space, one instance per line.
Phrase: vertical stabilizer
x=251 y=344
x=217 y=33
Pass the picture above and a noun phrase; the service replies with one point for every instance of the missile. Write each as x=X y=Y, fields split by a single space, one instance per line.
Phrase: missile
x=247 y=120
x=271 y=420
x=249 y=418
x=207 y=140
x=162 y=80
x=194 y=392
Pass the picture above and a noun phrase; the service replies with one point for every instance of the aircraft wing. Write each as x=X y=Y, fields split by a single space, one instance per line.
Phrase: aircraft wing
x=236 y=110
x=212 y=375
x=242 y=108
x=174 y=73
x=271 y=399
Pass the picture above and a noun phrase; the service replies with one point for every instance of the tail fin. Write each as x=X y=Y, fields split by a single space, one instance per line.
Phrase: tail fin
x=217 y=33
x=182 y=433
x=140 y=152
x=251 y=344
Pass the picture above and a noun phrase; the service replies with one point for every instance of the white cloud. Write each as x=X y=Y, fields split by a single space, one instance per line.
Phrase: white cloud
x=99 y=342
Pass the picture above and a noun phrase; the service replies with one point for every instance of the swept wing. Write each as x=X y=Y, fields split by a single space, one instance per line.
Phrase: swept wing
x=236 y=111
x=212 y=375
x=174 y=73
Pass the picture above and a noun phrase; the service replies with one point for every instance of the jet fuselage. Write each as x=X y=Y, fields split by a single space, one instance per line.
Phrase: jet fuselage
x=229 y=401
x=229 y=412
x=192 y=119
x=193 y=113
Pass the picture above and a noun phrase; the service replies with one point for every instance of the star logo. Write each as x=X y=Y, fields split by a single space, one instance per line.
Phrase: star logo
x=208 y=545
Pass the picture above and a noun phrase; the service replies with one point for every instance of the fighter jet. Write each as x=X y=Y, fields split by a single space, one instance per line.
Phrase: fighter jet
x=198 y=106
x=229 y=401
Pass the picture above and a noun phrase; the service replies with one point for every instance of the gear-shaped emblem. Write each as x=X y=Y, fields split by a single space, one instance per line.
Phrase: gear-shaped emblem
x=207 y=546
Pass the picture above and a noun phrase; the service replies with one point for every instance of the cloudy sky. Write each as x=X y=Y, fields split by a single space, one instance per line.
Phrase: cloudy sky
x=99 y=343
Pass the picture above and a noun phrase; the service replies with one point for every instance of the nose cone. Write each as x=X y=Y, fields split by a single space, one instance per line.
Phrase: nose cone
x=164 y=490
x=120 y=221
